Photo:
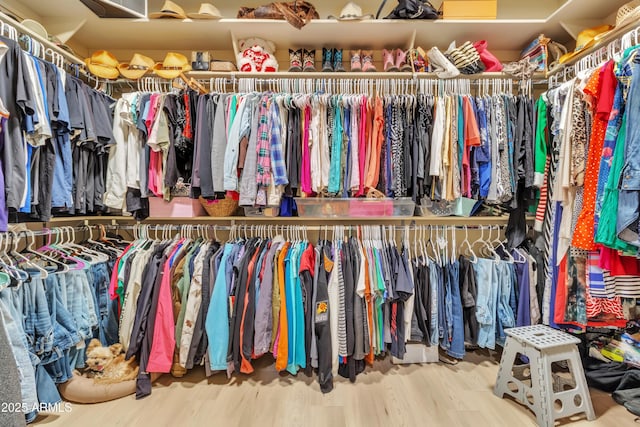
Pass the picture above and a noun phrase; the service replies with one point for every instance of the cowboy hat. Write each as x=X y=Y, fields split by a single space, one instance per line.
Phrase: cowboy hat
x=103 y=64
x=351 y=12
x=207 y=11
x=137 y=67
x=628 y=12
x=169 y=10
x=586 y=39
x=172 y=66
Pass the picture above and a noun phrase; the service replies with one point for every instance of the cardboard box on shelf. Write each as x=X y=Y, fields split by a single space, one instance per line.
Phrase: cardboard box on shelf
x=470 y=9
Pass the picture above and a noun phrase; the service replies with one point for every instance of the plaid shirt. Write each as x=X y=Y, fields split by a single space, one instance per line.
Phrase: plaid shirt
x=278 y=167
x=263 y=172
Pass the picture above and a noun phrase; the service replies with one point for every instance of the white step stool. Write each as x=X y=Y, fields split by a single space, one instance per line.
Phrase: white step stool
x=549 y=396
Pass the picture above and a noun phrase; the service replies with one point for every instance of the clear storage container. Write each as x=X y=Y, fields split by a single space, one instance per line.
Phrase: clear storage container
x=354 y=207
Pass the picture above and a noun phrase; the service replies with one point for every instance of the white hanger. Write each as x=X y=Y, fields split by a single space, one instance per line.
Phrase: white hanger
x=474 y=258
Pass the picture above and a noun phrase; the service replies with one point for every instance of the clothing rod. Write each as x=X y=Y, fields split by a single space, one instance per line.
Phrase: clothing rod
x=68 y=57
x=277 y=79
x=243 y=227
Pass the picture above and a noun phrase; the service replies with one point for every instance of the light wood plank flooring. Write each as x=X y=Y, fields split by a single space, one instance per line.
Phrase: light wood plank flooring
x=385 y=395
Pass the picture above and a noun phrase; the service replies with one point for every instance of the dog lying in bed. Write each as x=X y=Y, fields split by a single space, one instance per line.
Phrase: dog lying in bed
x=107 y=365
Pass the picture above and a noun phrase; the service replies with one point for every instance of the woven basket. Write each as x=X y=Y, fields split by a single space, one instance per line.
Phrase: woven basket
x=219 y=207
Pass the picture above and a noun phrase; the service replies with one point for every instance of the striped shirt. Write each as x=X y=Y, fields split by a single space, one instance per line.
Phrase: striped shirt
x=263 y=171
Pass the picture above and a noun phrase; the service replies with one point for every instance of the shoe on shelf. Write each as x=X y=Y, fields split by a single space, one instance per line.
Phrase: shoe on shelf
x=387 y=60
x=491 y=63
x=295 y=60
x=401 y=60
x=443 y=68
x=309 y=60
x=356 y=62
x=418 y=60
x=367 y=61
x=327 y=59
x=337 y=61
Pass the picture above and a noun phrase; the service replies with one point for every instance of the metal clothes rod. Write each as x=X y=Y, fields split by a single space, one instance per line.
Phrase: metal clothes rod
x=242 y=227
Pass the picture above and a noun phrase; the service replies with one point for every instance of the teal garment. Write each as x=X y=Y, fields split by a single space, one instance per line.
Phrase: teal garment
x=217 y=321
x=336 y=150
x=606 y=233
x=299 y=347
x=296 y=357
x=123 y=260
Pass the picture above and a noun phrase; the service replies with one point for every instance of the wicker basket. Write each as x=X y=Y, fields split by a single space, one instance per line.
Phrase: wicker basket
x=219 y=207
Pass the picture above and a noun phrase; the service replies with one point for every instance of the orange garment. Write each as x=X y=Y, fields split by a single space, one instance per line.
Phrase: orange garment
x=599 y=87
x=283 y=342
x=377 y=137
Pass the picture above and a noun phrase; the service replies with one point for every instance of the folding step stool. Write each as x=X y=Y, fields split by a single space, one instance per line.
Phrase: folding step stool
x=549 y=396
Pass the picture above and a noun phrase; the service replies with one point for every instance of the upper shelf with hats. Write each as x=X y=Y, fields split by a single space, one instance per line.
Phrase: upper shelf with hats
x=517 y=22
x=185 y=26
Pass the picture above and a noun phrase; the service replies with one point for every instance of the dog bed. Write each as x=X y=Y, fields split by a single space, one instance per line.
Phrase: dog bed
x=81 y=389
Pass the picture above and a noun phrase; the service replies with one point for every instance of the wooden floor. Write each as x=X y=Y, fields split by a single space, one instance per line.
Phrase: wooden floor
x=385 y=395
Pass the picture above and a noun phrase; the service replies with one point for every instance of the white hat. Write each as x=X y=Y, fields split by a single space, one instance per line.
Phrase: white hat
x=169 y=10
x=207 y=11
x=351 y=12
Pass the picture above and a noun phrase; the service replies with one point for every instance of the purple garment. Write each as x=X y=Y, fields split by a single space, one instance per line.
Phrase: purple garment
x=523 y=316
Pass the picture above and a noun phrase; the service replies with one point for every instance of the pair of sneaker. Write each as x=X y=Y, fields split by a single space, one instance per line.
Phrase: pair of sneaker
x=395 y=60
x=302 y=60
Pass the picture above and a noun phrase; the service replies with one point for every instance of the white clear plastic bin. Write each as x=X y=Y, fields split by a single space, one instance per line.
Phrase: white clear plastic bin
x=355 y=207
x=460 y=207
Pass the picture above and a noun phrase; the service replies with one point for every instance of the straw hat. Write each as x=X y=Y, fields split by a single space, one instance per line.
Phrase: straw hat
x=351 y=12
x=628 y=12
x=137 y=67
x=586 y=39
x=169 y=10
x=207 y=11
x=172 y=66
x=103 y=64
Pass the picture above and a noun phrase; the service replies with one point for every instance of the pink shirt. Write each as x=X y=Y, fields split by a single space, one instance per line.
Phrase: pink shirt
x=164 y=332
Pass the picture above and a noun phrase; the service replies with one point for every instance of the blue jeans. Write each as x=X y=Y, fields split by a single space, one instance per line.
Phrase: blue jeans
x=486 y=273
x=17 y=340
x=66 y=335
x=448 y=306
x=505 y=317
x=75 y=282
x=629 y=198
x=107 y=309
x=457 y=337
x=434 y=304
x=38 y=324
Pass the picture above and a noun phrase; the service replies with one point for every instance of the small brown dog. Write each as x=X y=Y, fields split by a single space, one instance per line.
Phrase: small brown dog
x=108 y=364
